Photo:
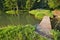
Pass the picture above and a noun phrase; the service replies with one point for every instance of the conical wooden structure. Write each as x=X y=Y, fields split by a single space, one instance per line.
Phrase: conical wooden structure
x=44 y=27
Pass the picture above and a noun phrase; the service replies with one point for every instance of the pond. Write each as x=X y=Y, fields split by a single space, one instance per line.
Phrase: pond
x=23 y=18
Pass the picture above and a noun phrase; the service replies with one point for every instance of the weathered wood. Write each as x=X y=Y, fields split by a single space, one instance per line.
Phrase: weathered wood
x=44 y=27
x=45 y=24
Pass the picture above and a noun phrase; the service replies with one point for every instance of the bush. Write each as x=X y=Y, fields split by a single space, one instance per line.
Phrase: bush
x=23 y=33
x=12 y=12
x=40 y=13
x=19 y=33
x=54 y=4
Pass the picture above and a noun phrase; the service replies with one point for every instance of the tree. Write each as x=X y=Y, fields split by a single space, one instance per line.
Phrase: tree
x=54 y=3
x=1 y=4
x=29 y=4
x=11 y=5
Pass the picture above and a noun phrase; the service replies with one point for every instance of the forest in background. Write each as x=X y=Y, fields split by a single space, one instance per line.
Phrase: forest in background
x=16 y=5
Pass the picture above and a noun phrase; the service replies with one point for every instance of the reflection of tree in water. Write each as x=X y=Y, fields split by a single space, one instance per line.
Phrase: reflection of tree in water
x=24 y=18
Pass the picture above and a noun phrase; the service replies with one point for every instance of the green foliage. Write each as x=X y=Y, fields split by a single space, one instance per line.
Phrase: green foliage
x=26 y=32
x=19 y=33
x=9 y=4
x=38 y=0
x=40 y=13
x=55 y=34
x=29 y=4
x=26 y=4
x=11 y=12
x=53 y=3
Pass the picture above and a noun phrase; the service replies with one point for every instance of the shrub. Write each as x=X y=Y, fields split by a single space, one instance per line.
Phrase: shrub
x=12 y=12
x=40 y=13
x=19 y=33
x=54 y=4
x=23 y=33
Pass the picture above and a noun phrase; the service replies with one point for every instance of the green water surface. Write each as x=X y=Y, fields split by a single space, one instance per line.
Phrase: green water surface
x=23 y=18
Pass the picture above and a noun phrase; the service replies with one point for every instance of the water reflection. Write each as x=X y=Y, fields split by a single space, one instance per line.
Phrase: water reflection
x=22 y=19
